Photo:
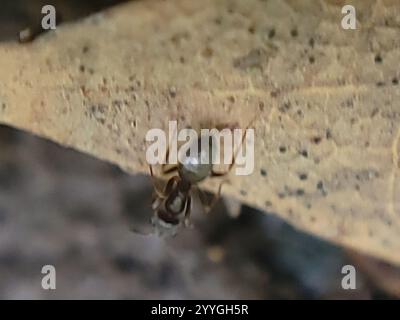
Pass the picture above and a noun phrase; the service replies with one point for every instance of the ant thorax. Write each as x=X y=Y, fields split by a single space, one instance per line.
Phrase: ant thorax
x=198 y=166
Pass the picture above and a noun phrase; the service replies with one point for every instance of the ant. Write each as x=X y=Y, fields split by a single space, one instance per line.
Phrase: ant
x=172 y=205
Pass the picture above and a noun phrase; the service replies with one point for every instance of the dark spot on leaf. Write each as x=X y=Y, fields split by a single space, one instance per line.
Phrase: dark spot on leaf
x=263 y=172
x=320 y=187
x=253 y=59
x=282 y=149
x=378 y=59
x=207 y=52
x=172 y=92
x=274 y=93
x=374 y=112
x=303 y=176
x=304 y=153
x=271 y=33
x=117 y=103
x=328 y=134
x=98 y=112
x=380 y=84
x=316 y=140
x=285 y=107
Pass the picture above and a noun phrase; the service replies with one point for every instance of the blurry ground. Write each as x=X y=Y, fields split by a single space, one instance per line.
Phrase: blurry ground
x=63 y=208
x=60 y=207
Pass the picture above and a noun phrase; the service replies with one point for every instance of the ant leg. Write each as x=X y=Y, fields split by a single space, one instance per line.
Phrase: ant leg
x=170 y=185
x=234 y=155
x=208 y=206
x=203 y=198
x=167 y=190
x=169 y=170
x=221 y=174
x=188 y=209
x=156 y=186
x=161 y=196
x=164 y=168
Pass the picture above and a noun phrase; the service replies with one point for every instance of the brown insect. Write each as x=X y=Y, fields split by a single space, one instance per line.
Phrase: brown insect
x=172 y=205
